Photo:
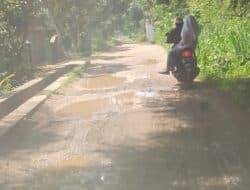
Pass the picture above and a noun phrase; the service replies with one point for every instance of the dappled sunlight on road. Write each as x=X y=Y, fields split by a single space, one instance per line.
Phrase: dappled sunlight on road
x=123 y=126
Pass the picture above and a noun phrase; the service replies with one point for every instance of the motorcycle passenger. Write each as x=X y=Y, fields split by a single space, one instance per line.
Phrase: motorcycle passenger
x=173 y=37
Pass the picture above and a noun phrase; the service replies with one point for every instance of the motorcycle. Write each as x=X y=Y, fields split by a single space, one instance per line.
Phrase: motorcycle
x=186 y=69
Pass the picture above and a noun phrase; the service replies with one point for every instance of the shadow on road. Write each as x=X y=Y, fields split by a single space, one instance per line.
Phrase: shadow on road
x=202 y=149
x=28 y=136
x=197 y=147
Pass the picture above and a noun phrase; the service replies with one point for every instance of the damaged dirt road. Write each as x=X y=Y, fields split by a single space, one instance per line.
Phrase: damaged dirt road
x=123 y=126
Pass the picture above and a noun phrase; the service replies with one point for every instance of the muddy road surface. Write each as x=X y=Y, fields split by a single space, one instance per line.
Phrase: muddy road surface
x=123 y=126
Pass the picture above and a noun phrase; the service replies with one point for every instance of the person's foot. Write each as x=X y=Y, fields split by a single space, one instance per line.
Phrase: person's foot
x=165 y=72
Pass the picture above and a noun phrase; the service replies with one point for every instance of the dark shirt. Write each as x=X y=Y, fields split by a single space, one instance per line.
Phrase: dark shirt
x=174 y=36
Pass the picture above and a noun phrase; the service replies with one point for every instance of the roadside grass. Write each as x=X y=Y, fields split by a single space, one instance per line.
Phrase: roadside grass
x=223 y=56
x=6 y=86
x=72 y=76
x=69 y=78
x=11 y=80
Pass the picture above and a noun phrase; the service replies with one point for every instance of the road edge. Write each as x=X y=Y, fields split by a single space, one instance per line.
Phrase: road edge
x=29 y=106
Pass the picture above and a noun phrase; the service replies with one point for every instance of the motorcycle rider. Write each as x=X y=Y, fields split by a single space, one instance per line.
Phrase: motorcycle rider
x=174 y=36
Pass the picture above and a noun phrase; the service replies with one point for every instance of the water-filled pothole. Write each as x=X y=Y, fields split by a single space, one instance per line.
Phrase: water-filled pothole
x=150 y=62
x=87 y=107
x=72 y=163
x=103 y=81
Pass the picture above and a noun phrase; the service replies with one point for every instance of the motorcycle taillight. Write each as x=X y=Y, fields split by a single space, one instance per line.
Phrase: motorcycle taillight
x=187 y=54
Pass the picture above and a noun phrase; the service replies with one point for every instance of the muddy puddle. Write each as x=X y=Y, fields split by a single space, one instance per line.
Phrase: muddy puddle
x=103 y=81
x=88 y=107
x=150 y=62
x=83 y=108
x=72 y=163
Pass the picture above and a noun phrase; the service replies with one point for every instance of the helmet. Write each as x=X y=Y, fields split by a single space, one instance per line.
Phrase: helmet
x=178 y=20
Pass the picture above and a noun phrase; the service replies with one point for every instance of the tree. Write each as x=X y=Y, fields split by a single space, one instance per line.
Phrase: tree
x=75 y=18
x=14 y=18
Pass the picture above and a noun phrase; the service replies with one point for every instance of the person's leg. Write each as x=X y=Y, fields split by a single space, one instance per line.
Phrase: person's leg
x=170 y=60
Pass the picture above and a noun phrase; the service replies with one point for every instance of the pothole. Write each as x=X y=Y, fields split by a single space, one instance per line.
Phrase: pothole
x=103 y=81
x=88 y=107
x=72 y=163
x=150 y=62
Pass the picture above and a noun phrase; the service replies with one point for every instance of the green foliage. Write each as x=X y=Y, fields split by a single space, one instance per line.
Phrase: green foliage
x=223 y=51
x=240 y=7
x=164 y=13
x=14 y=18
x=76 y=19
x=6 y=85
x=81 y=26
